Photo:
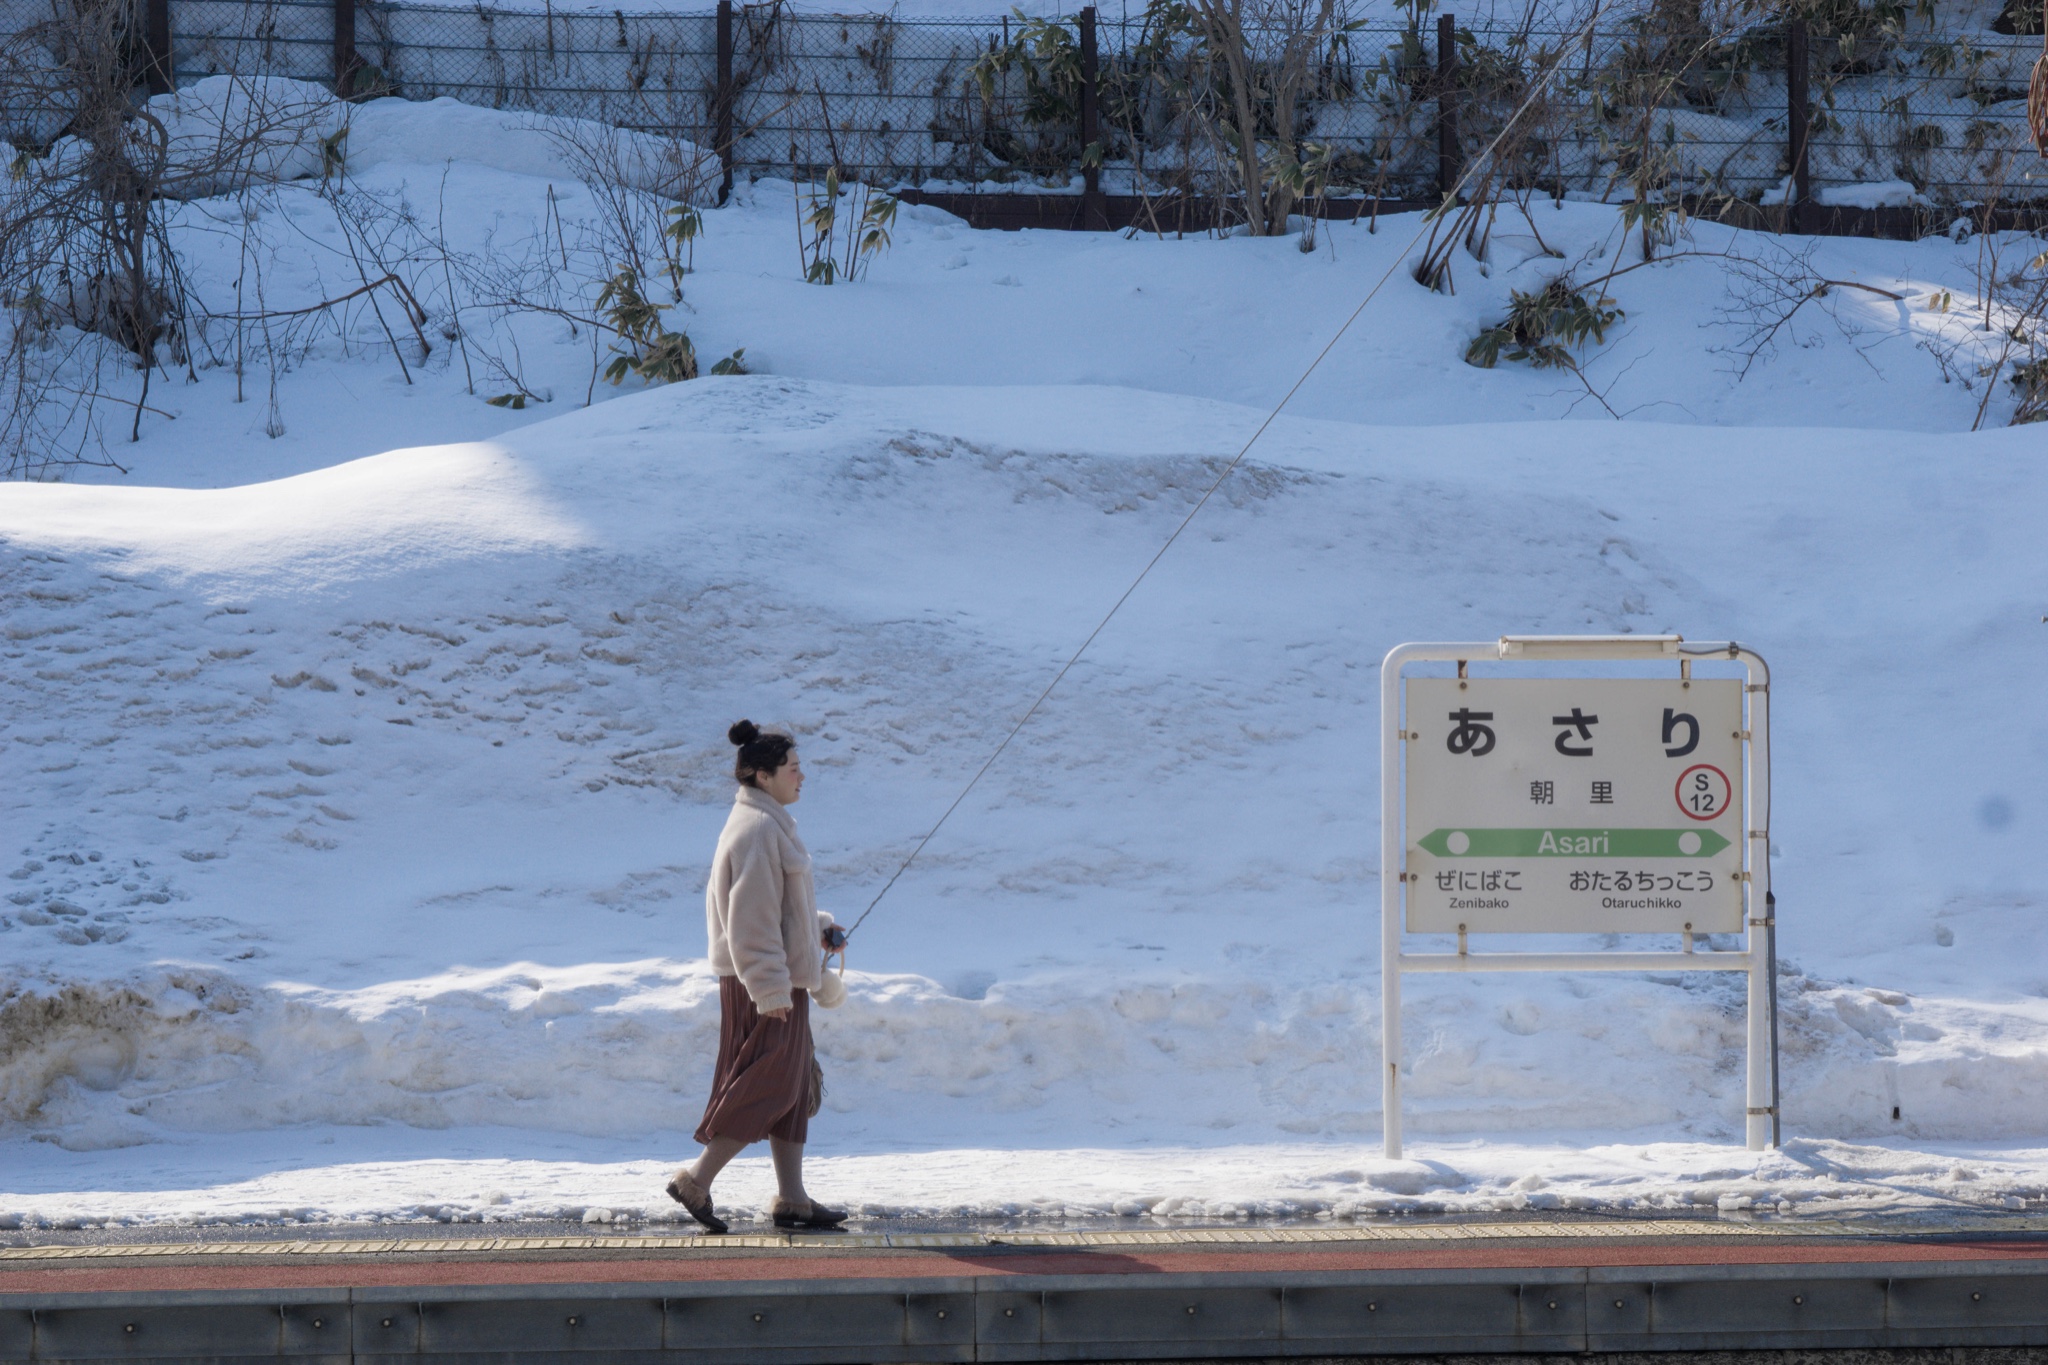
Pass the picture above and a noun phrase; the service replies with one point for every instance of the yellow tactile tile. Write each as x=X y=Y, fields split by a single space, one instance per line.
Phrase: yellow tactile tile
x=627 y=1245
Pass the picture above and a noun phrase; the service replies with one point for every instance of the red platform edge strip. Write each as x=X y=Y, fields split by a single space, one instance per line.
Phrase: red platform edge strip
x=471 y=1270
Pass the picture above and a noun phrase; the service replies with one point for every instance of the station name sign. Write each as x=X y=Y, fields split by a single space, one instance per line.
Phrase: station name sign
x=1574 y=805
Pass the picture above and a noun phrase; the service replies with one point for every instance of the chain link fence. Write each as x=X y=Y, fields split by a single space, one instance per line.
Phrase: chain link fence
x=272 y=38
x=1390 y=110
x=1946 y=116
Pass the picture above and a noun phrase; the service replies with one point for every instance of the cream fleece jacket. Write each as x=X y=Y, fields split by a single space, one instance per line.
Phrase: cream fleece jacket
x=760 y=912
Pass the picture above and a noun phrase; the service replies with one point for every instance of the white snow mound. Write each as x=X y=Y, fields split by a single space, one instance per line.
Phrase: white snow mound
x=545 y=146
x=226 y=132
x=382 y=795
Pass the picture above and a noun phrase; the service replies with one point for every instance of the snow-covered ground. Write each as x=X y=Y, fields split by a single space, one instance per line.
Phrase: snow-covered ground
x=360 y=781
x=1233 y=320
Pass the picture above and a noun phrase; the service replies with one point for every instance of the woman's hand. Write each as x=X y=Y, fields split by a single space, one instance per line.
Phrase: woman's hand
x=780 y=1014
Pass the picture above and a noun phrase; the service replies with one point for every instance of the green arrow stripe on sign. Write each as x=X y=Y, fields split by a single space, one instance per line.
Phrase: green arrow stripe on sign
x=1573 y=843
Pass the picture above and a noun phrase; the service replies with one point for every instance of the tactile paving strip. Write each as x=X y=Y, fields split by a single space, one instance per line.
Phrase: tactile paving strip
x=1075 y=1238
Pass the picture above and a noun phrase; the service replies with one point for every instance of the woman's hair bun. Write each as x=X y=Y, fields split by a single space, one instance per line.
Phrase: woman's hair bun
x=761 y=751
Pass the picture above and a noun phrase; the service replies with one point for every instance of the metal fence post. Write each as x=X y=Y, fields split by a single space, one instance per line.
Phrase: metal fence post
x=721 y=102
x=1447 y=153
x=156 y=38
x=1796 y=122
x=1093 y=211
x=345 y=59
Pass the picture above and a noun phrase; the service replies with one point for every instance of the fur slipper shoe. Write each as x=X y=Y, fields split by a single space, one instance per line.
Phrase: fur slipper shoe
x=685 y=1190
x=788 y=1214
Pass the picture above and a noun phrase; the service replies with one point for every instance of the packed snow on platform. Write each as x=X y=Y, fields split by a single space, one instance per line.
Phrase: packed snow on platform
x=360 y=802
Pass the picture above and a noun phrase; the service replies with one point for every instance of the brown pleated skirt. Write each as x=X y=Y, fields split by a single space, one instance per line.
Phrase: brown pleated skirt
x=761 y=1085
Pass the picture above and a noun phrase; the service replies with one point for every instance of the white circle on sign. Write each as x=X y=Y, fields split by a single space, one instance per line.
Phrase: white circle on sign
x=1689 y=842
x=1459 y=842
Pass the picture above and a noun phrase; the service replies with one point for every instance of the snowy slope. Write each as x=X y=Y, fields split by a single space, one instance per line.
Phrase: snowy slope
x=382 y=794
x=362 y=812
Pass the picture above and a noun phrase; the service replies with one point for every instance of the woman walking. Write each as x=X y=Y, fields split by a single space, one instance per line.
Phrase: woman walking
x=767 y=945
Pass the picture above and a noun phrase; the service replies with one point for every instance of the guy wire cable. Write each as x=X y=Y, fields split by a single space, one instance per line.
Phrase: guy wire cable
x=1400 y=258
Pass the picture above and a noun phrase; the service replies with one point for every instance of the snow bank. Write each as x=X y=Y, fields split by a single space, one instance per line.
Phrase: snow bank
x=561 y=149
x=615 y=1051
x=381 y=795
x=225 y=132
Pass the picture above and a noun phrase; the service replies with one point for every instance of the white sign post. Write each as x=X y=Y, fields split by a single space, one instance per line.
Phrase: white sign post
x=1577 y=805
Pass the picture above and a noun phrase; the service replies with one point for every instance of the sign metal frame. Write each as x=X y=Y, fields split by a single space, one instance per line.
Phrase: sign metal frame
x=1756 y=958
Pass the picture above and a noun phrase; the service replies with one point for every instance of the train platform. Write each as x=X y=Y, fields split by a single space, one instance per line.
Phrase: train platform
x=1113 y=1292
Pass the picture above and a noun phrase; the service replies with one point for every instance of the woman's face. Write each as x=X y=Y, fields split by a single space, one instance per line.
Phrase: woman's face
x=786 y=783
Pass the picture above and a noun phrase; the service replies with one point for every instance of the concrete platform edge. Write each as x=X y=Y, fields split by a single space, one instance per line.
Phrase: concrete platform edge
x=971 y=1317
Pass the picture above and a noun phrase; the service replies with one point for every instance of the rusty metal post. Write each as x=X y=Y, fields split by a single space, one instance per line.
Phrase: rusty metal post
x=1797 y=116
x=156 y=40
x=1449 y=160
x=346 y=62
x=1094 y=213
x=721 y=102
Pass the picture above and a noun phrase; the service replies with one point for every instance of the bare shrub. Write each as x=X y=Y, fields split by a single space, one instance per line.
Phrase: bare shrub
x=1771 y=288
x=91 y=287
x=104 y=186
